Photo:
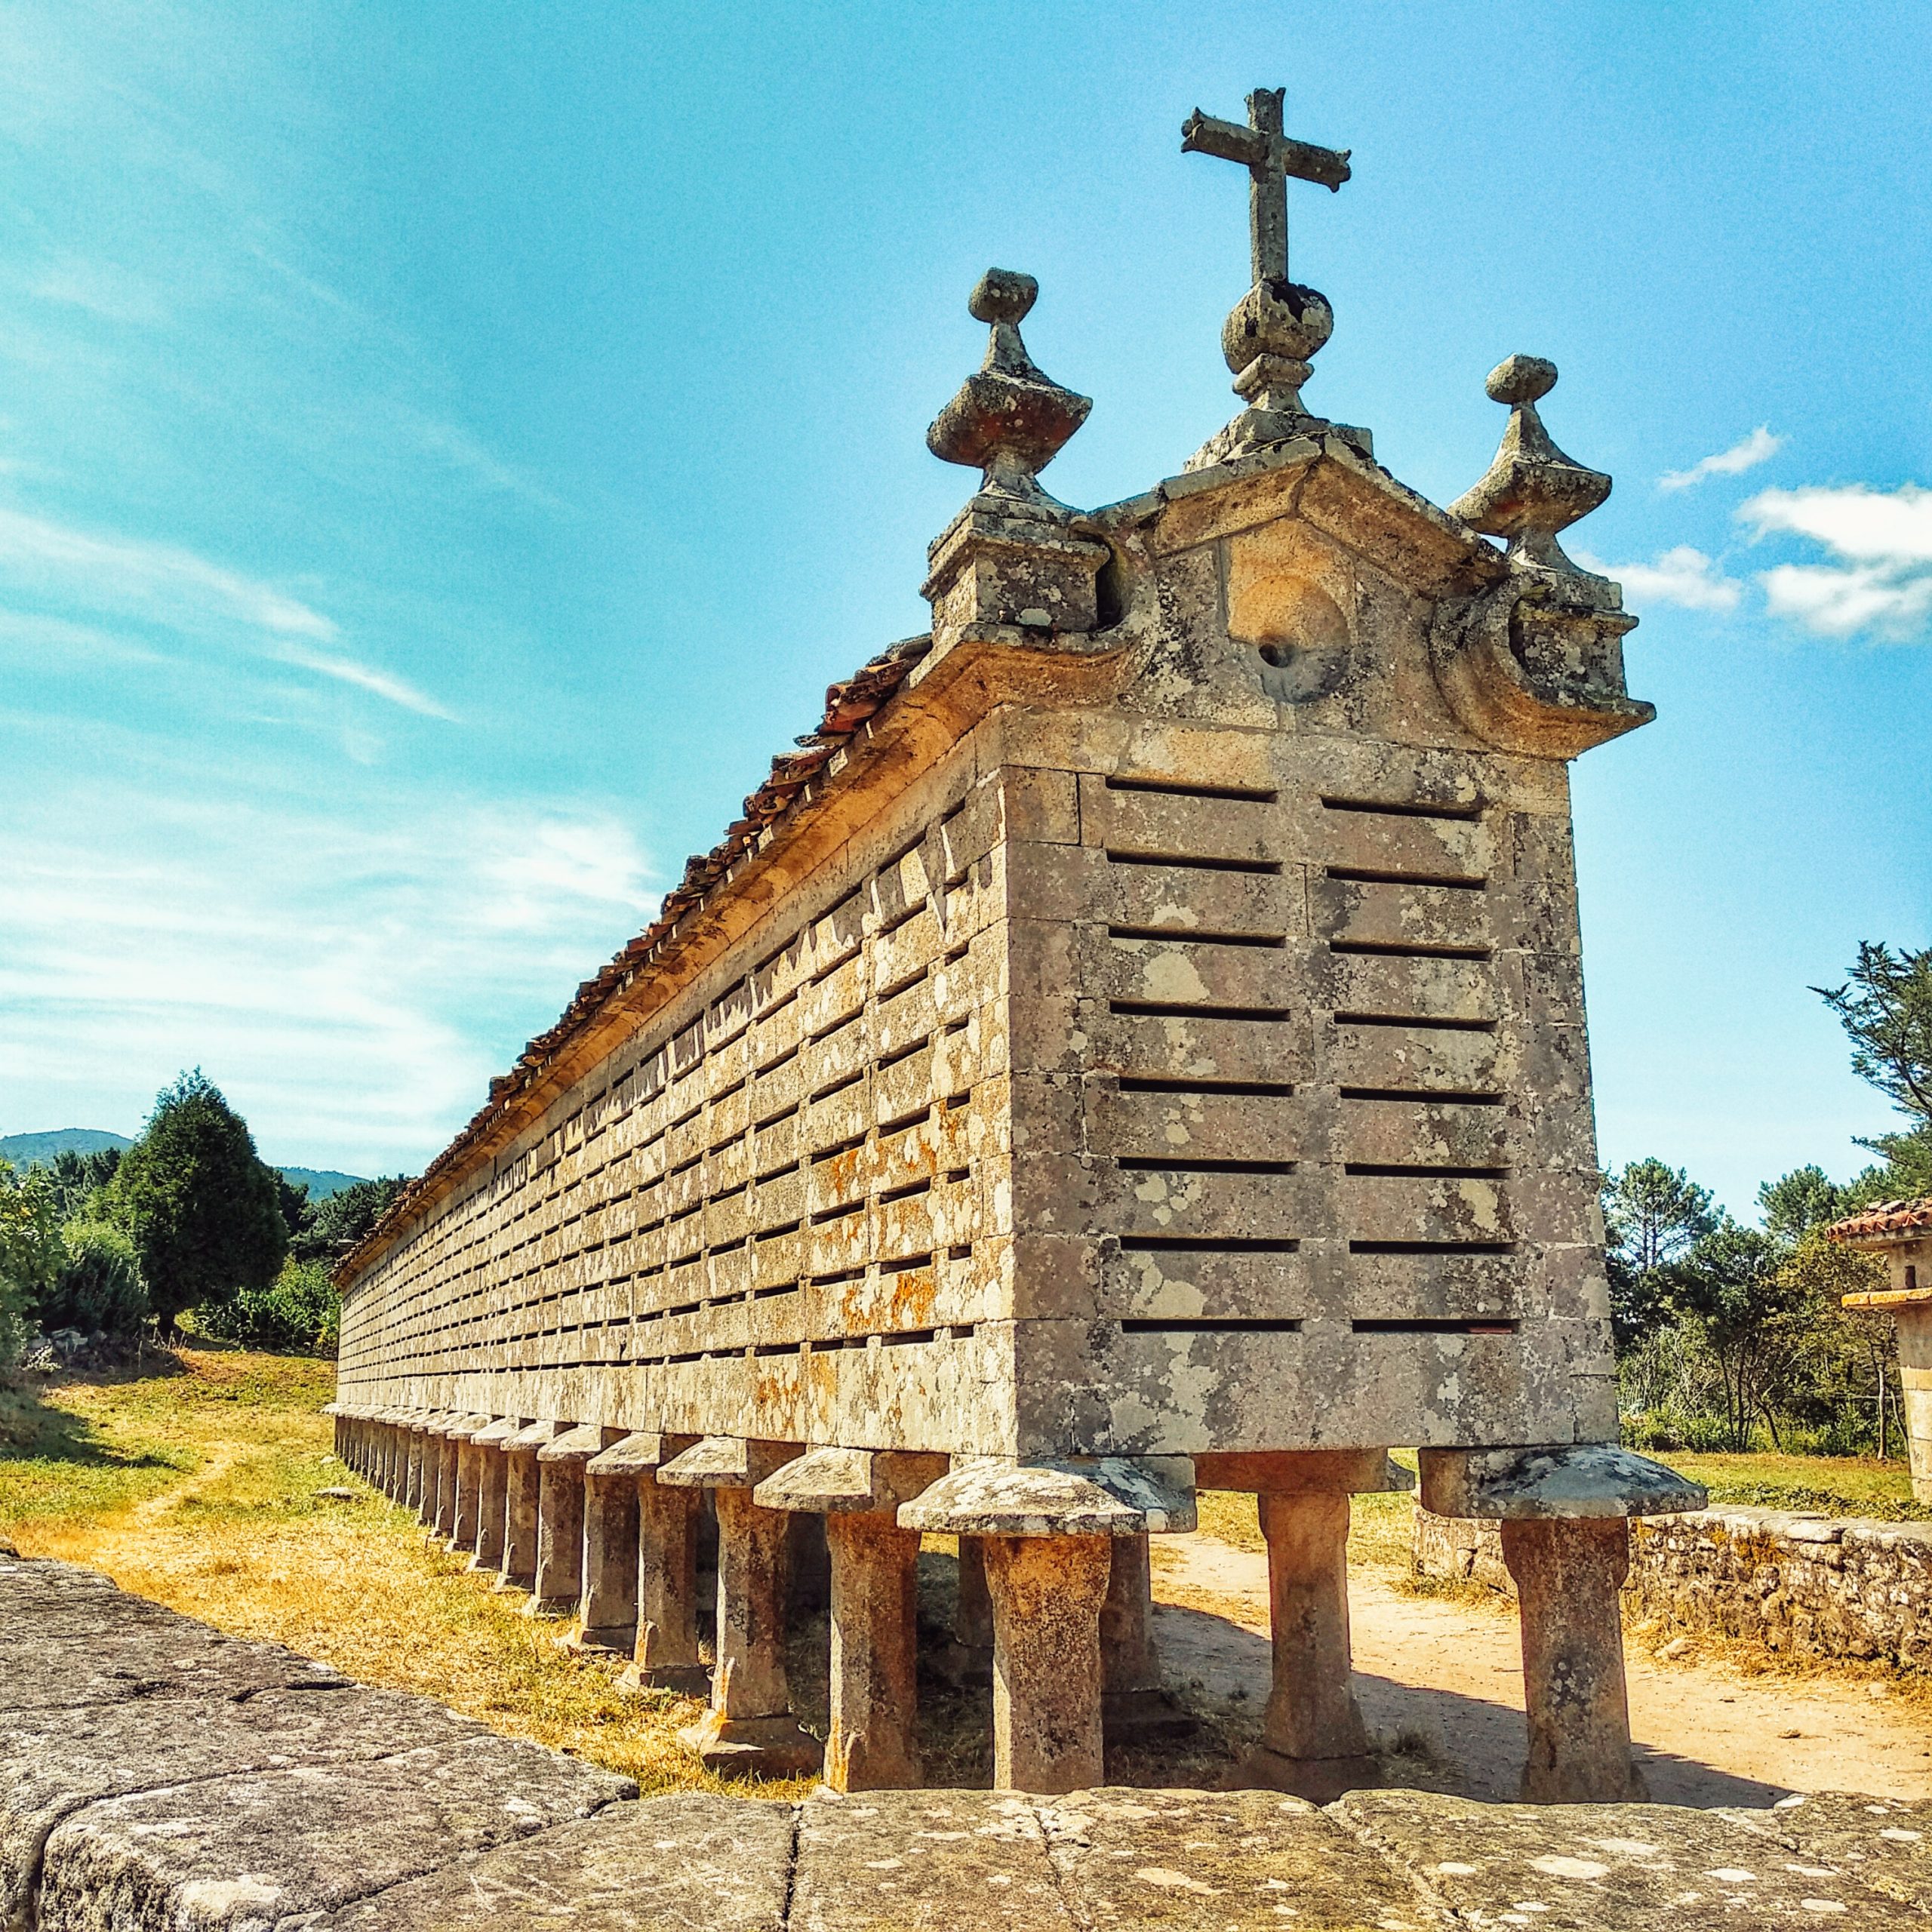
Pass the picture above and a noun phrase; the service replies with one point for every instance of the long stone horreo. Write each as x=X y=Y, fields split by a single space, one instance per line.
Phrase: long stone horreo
x=1900 y=1234
x=1135 y=1044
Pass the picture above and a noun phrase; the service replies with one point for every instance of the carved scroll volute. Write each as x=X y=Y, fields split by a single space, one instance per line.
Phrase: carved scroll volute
x=1536 y=664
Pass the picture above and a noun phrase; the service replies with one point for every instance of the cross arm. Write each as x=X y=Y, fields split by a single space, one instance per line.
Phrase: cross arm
x=1257 y=148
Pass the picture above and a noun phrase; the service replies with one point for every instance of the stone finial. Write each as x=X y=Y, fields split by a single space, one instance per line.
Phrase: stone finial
x=1533 y=490
x=1008 y=420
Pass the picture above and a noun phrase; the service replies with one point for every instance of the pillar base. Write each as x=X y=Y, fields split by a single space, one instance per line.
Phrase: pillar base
x=551 y=1606
x=1144 y=1716
x=688 y=1680
x=525 y=1583
x=778 y=1747
x=619 y=1638
x=1320 y=1780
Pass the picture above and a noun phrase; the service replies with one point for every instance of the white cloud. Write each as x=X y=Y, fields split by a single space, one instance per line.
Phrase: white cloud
x=365 y=677
x=152 y=580
x=1759 y=447
x=351 y=978
x=1683 y=576
x=1883 y=538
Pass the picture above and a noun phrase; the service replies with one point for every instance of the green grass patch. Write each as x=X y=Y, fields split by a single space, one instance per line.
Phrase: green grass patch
x=1832 y=1485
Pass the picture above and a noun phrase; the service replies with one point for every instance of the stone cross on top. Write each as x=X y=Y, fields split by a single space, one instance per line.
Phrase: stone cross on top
x=1270 y=158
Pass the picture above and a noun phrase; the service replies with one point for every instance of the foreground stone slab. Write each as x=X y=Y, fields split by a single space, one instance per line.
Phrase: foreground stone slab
x=263 y=1847
x=907 y=1861
x=1231 y=1860
x=1608 y=1868
x=158 y=1656
x=54 y=1761
x=1886 y=1844
x=695 y=1862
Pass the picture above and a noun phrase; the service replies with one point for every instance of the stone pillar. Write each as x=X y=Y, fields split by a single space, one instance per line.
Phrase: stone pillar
x=749 y=1729
x=1134 y=1708
x=560 y=1465
x=493 y=1466
x=972 y=1620
x=443 y=1518
x=410 y=1460
x=1568 y=1575
x=1564 y=1510
x=1313 y=1741
x=469 y=1467
x=856 y=1494
x=520 y=1502
x=667 y=1657
x=607 y=1615
x=874 y=1742
x=1915 y=1329
x=1047 y=1593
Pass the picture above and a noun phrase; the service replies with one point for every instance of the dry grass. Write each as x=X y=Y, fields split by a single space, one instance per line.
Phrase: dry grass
x=196 y=1487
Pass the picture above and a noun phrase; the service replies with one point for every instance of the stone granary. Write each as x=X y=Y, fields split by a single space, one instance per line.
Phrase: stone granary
x=1134 y=1044
x=1900 y=1233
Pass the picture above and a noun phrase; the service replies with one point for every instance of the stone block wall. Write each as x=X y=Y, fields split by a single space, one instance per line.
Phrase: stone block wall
x=1795 y=1583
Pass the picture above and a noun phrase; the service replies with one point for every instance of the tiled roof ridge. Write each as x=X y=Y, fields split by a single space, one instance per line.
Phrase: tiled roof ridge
x=848 y=704
x=1884 y=1218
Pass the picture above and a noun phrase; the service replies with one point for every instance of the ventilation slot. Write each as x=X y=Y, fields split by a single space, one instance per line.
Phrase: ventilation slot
x=1378 y=949
x=1424 y=1021
x=1162 y=1163
x=1432 y=1248
x=1427 y=1097
x=1274 y=942
x=1180 y=1085
x=1148 y=1009
x=1204 y=1244
x=1366 y=875
x=1185 y=862
x=1392 y=1171
x=1403 y=808
x=1174 y=788
x=1232 y=1325
x=1428 y=1326
x=905 y=1264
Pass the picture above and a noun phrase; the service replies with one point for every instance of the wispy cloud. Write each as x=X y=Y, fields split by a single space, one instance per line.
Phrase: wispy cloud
x=1759 y=447
x=365 y=677
x=1883 y=539
x=1683 y=576
x=155 y=580
x=354 y=982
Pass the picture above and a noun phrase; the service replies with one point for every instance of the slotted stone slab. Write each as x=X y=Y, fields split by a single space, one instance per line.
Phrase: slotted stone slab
x=1608 y=1868
x=1228 y=1860
x=262 y=1848
x=924 y=1861
x=1885 y=1844
x=53 y=1762
x=694 y=1862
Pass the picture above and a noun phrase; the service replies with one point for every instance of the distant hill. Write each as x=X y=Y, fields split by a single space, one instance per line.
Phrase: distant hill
x=23 y=1149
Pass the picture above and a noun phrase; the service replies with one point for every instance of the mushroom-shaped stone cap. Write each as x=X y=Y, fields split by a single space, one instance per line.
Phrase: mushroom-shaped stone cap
x=1521 y=378
x=1003 y=295
x=1569 y=1479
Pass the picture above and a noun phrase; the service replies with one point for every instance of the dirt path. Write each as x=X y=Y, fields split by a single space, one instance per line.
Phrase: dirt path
x=1451 y=1673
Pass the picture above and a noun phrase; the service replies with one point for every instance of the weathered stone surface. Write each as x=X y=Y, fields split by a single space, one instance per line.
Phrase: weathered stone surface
x=906 y=1861
x=1811 y=1586
x=53 y=1762
x=1884 y=1844
x=1231 y=1860
x=258 y=1848
x=1576 y=1480
x=1605 y=1867
x=695 y=1862
x=1113 y=1497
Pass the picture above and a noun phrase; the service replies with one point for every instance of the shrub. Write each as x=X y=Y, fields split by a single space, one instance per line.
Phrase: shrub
x=98 y=1287
x=298 y=1313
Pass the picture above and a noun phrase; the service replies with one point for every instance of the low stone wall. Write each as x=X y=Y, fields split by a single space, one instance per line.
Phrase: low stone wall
x=156 y=1776
x=1793 y=1583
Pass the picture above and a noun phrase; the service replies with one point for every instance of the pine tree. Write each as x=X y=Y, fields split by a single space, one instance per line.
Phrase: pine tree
x=203 y=1211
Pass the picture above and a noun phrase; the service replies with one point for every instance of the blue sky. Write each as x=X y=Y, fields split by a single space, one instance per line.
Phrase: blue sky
x=446 y=448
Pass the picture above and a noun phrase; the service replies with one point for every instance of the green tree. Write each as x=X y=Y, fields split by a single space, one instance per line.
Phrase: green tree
x=1754 y=1318
x=1885 y=1005
x=1795 y=1203
x=336 y=1224
x=298 y=1312
x=99 y=1287
x=30 y=1251
x=203 y=1210
x=1653 y=1214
